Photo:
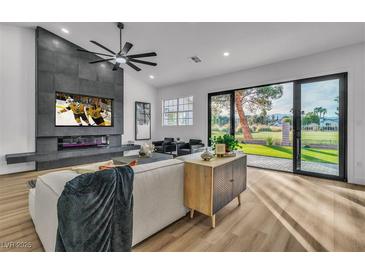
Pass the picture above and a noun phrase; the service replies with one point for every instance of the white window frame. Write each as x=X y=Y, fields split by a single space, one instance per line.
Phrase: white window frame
x=183 y=106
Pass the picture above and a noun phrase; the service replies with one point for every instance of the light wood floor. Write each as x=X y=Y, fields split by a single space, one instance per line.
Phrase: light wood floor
x=279 y=212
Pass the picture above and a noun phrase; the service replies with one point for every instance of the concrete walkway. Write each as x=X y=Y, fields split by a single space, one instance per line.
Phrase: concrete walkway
x=287 y=165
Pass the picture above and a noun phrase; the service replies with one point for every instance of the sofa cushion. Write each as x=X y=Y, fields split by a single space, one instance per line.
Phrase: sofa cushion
x=155 y=165
x=56 y=180
x=31 y=197
x=195 y=142
x=168 y=140
x=90 y=167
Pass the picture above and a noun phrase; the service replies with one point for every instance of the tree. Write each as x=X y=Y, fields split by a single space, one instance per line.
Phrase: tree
x=220 y=110
x=324 y=112
x=310 y=117
x=320 y=111
x=255 y=99
x=317 y=111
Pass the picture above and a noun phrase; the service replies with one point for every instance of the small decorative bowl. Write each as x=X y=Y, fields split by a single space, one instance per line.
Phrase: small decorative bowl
x=207 y=155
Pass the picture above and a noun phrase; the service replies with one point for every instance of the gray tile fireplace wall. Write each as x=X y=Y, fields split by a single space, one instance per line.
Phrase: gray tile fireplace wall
x=60 y=67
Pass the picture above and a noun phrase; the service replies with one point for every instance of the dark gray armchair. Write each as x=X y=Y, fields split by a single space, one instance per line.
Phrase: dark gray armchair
x=194 y=145
x=165 y=146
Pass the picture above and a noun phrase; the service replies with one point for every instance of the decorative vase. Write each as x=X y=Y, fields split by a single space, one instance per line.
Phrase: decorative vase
x=146 y=150
x=207 y=155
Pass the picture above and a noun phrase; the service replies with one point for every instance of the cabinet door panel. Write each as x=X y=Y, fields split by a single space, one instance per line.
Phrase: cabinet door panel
x=222 y=186
x=239 y=176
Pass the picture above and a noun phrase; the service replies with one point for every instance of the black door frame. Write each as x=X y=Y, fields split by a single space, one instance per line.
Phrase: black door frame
x=231 y=114
x=342 y=153
x=296 y=120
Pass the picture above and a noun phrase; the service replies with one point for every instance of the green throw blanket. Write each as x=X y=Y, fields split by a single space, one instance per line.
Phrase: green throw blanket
x=95 y=212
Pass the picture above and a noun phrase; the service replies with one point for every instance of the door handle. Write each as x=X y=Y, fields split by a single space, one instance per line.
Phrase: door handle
x=298 y=148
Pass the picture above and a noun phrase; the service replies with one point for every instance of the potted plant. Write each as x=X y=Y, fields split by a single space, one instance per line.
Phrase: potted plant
x=227 y=139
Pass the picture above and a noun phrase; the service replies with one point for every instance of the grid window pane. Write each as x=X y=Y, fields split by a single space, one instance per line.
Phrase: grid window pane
x=171 y=108
x=178 y=112
x=170 y=119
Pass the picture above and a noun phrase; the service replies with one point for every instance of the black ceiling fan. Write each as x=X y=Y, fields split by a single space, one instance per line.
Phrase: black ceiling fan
x=121 y=56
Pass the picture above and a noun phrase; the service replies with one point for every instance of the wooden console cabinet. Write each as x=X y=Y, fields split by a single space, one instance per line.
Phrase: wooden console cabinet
x=210 y=185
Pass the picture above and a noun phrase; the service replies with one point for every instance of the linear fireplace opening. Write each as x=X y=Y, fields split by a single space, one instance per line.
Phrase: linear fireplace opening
x=82 y=142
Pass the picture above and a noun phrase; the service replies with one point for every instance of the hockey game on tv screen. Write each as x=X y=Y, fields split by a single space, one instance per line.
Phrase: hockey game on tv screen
x=80 y=110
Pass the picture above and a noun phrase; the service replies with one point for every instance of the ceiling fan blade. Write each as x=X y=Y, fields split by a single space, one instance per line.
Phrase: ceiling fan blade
x=103 y=54
x=103 y=60
x=116 y=66
x=133 y=66
x=148 y=54
x=126 y=48
x=142 y=62
x=100 y=45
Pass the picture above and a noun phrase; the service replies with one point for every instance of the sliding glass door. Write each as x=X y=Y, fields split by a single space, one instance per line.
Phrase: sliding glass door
x=320 y=126
x=297 y=126
x=263 y=124
x=220 y=114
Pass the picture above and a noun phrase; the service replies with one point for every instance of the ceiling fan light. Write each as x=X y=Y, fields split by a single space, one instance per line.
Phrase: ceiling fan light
x=120 y=60
x=121 y=57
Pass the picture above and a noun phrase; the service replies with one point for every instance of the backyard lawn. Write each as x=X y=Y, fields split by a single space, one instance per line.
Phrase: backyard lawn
x=308 y=154
x=308 y=137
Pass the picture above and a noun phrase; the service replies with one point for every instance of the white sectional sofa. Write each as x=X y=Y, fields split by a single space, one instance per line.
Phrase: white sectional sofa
x=158 y=200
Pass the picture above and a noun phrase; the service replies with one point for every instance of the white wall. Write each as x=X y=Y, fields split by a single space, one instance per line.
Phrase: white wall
x=350 y=59
x=136 y=90
x=17 y=95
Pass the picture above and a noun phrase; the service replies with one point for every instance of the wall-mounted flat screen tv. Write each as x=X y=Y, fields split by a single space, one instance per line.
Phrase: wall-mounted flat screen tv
x=83 y=111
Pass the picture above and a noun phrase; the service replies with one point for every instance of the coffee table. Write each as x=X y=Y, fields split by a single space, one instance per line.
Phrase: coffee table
x=155 y=157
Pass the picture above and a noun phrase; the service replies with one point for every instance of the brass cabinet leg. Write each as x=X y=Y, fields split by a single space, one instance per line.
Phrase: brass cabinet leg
x=239 y=199
x=191 y=213
x=212 y=218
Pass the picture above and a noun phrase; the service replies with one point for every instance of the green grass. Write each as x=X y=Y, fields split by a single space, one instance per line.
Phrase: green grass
x=308 y=137
x=308 y=154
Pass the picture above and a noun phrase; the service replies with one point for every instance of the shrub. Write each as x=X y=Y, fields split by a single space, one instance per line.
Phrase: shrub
x=264 y=129
x=287 y=120
x=229 y=140
x=269 y=141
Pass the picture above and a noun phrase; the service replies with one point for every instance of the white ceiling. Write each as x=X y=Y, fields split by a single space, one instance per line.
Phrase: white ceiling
x=250 y=44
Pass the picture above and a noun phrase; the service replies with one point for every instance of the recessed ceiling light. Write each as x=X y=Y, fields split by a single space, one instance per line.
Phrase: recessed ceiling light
x=65 y=30
x=226 y=53
x=152 y=77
